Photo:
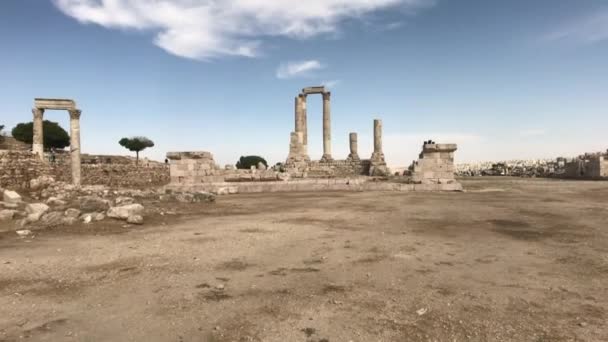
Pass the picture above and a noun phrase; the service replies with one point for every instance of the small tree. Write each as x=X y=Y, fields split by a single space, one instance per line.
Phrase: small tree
x=53 y=135
x=247 y=162
x=1 y=134
x=136 y=144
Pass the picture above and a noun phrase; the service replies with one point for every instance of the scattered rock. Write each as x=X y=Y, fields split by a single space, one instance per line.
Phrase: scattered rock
x=9 y=205
x=11 y=197
x=93 y=204
x=583 y=324
x=7 y=214
x=72 y=212
x=122 y=200
x=422 y=311
x=36 y=209
x=52 y=219
x=69 y=220
x=123 y=212
x=135 y=219
x=261 y=166
x=24 y=232
x=98 y=216
x=87 y=218
x=41 y=182
x=54 y=201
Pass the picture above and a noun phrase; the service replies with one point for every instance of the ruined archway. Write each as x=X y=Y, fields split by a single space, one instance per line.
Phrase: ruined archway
x=301 y=121
x=40 y=105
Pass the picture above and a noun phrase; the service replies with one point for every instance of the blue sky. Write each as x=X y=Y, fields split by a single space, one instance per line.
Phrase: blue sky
x=503 y=79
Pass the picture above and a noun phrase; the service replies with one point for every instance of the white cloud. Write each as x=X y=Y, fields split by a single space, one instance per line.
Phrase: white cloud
x=588 y=29
x=331 y=84
x=534 y=132
x=204 y=29
x=297 y=69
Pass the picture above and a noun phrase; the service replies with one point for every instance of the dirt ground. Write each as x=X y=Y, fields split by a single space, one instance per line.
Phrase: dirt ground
x=507 y=260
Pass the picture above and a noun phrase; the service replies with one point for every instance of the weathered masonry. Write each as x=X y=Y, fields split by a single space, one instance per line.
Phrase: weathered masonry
x=298 y=160
x=40 y=105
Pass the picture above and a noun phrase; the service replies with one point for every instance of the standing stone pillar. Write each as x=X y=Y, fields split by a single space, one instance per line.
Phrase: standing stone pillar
x=377 y=162
x=38 y=139
x=304 y=121
x=326 y=127
x=75 y=145
x=354 y=153
x=298 y=115
x=378 y=139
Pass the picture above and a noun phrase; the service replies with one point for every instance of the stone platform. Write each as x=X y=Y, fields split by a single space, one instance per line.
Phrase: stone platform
x=335 y=184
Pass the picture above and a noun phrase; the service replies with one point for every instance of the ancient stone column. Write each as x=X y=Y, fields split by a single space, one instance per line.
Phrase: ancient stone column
x=38 y=139
x=298 y=114
x=75 y=145
x=354 y=154
x=378 y=136
x=326 y=127
x=304 y=122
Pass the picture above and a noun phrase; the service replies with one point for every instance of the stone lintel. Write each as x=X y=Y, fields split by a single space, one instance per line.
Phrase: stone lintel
x=189 y=155
x=439 y=148
x=59 y=104
x=314 y=90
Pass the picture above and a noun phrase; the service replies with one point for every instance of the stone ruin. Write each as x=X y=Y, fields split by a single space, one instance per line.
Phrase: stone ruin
x=298 y=161
x=435 y=164
x=588 y=166
x=197 y=171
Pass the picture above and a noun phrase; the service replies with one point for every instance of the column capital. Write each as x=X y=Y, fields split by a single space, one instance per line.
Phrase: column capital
x=326 y=95
x=75 y=114
x=38 y=113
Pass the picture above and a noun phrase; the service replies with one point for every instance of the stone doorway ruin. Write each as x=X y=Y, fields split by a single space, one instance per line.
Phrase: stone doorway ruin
x=301 y=121
x=40 y=105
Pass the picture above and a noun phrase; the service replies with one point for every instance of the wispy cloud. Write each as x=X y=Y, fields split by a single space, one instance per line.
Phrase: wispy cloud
x=591 y=28
x=533 y=132
x=204 y=29
x=297 y=69
x=331 y=84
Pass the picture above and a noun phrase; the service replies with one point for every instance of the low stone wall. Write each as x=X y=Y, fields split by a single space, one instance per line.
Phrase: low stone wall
x=18 y=168
x=337 y=184
x=338 y=168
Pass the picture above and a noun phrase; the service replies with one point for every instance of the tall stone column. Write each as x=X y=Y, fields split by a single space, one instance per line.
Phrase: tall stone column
x=377 y=162
x=378 y=139
x=304 y=116
x=298 y=115
x=75 y=145
x=354 y=153
x=326 y=127
x=38 y=139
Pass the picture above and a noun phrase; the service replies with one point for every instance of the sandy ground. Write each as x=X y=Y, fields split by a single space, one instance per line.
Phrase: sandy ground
x=508 y=260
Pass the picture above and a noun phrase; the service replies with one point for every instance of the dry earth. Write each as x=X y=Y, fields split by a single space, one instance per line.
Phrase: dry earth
x=508 y=260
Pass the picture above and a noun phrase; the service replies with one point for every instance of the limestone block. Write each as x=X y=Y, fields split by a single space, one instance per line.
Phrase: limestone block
x=7 y=214
x=123 y=212
x=11 y=197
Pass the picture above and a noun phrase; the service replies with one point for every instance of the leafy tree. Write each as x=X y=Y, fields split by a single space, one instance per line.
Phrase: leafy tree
x=136 y=144
x=247 y=162
x=1 y=135
x=54 y=136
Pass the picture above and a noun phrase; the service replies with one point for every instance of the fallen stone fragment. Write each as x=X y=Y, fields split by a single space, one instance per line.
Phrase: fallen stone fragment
x=36 y=208
x=93 y=204
x=122 y=200
x=72 y=212
x=24 y=232
x=422 y=311
x=54 y=218
x=11 y=197
x=7 y=214
x=123 y=212
x=135 y=219
x=55 y=201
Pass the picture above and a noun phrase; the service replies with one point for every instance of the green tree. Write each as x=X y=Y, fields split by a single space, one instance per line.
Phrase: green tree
x=136 y=144
x=54 y=135
x=246 y=162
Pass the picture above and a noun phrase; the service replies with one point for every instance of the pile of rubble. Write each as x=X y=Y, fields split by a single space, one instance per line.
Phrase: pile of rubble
x=48 y=203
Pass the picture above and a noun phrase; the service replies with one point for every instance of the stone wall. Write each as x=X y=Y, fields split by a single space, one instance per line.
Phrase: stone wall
x=198 y=167
x=337 y=168
x=588 y=167
x=435 y=164
x=17 y=168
